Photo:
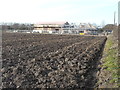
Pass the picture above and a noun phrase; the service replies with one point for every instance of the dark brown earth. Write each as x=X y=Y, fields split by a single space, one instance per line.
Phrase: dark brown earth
x=49 y=61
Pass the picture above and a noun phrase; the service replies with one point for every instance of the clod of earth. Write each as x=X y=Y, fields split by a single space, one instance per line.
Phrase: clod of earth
x=49 y=61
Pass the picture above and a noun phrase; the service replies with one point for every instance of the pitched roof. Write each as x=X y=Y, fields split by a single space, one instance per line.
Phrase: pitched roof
x=51 y=22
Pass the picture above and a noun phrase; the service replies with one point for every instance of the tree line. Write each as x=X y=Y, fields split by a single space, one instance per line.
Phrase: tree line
x=16 y=26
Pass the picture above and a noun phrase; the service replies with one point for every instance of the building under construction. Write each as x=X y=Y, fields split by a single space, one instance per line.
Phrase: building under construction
x=64 y=28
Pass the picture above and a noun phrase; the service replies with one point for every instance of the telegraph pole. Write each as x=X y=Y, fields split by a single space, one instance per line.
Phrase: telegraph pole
x=119 y=13
x=114 y=17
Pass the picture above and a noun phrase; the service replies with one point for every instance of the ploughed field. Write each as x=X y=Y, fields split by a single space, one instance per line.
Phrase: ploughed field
x=49 y=61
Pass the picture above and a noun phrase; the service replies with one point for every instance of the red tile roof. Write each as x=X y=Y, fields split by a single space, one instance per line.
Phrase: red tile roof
x=51 y=22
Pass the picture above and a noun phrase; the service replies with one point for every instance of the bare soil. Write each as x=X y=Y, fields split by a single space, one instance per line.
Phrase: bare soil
x=50 y=61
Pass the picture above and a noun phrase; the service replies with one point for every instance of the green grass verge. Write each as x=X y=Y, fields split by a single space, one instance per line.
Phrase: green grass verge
x=111 y=60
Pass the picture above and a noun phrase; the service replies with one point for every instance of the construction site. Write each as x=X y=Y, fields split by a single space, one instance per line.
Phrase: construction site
x=65 y=28
x=52 y=28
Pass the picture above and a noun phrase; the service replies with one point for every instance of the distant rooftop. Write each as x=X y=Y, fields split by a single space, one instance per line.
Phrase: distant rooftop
x=50 y=22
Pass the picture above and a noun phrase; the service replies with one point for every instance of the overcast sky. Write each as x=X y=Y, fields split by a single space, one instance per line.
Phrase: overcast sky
x=34 y=11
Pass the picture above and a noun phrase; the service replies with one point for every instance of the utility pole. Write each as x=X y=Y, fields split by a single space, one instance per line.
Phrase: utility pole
x=114 y=17
x=119 y=13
